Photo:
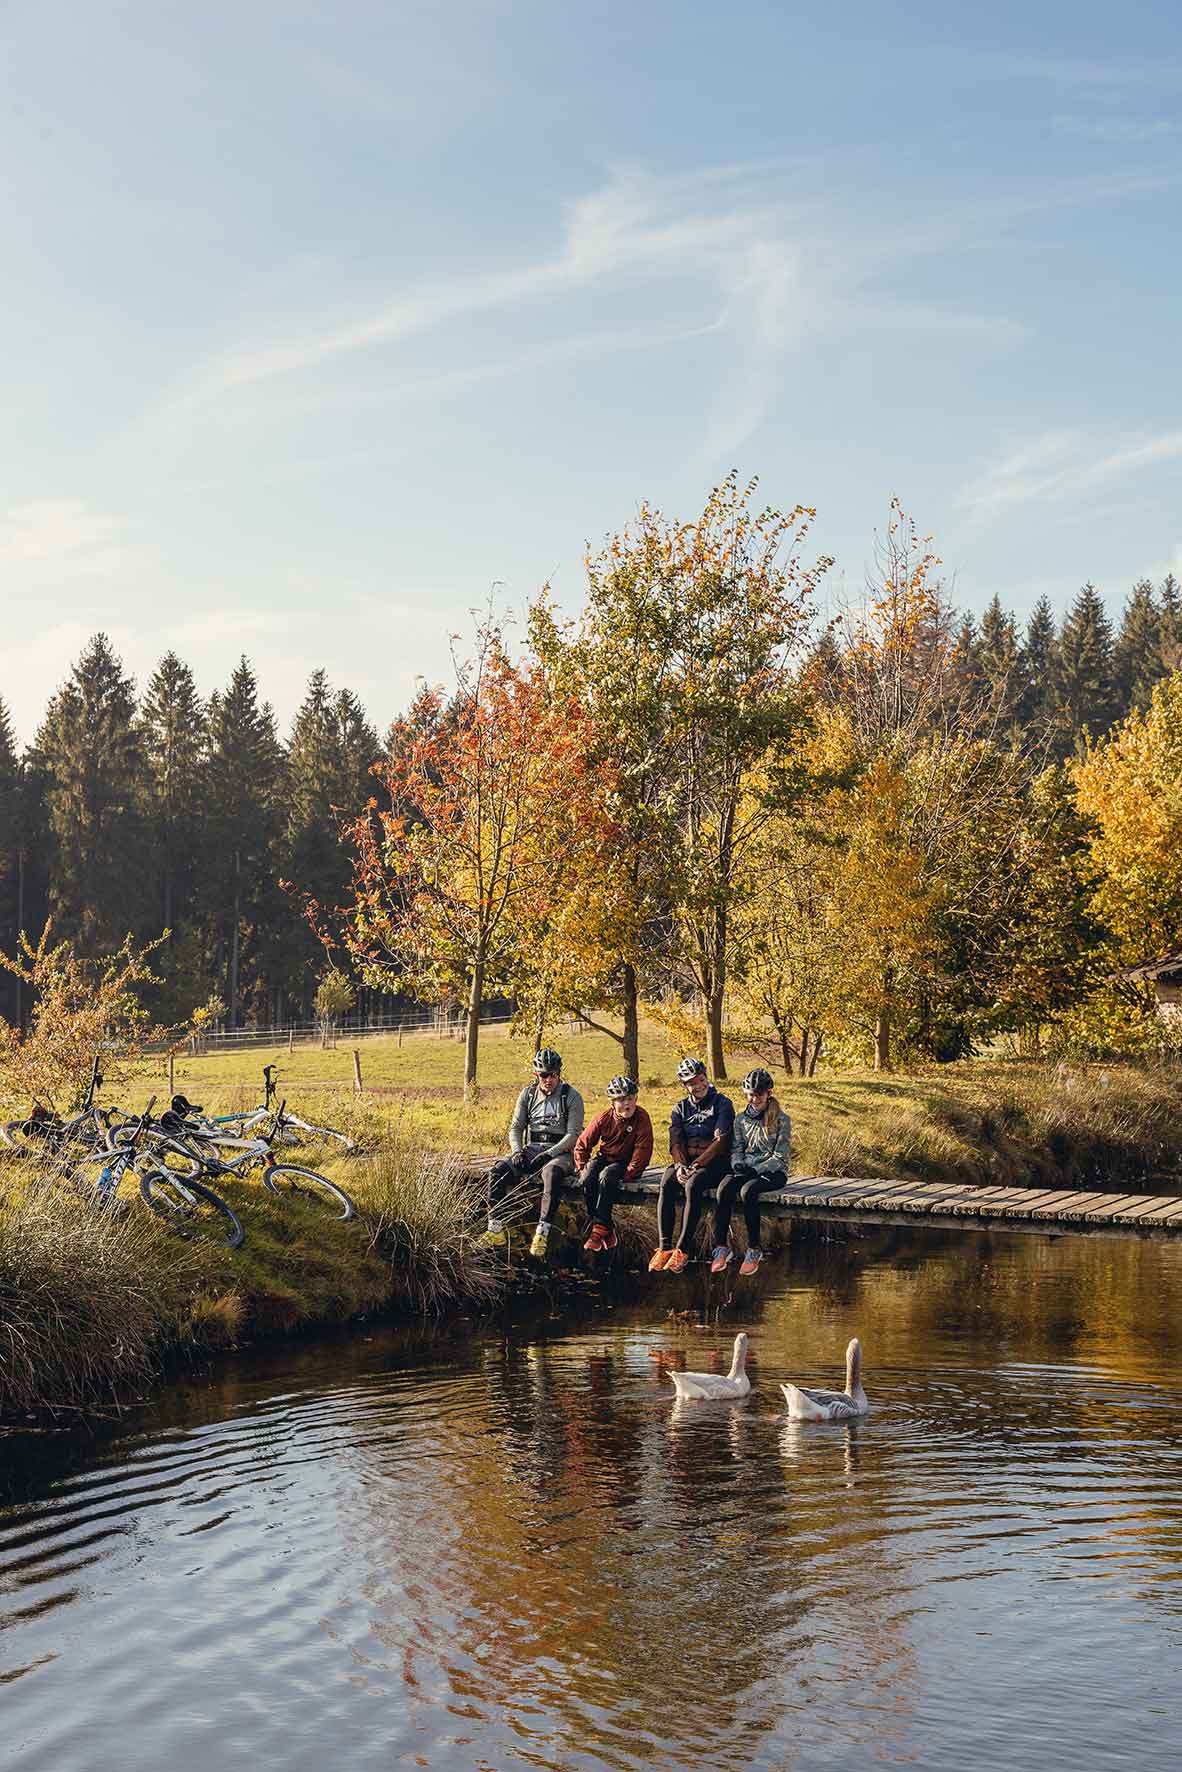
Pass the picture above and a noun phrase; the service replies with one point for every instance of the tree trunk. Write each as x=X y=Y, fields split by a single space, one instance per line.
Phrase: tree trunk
x=882 y=1037
x=804 y=1052
x=472 y=1036
x=234 y=941
x=631 y=1024
x=783 y=1029
x=818 y=1041
x=715 y=1061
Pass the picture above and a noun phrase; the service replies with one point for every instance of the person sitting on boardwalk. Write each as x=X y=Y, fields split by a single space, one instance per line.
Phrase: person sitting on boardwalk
x=546 y=1123
x=624 y=1134
x=759 y=1163
x=700 y=1146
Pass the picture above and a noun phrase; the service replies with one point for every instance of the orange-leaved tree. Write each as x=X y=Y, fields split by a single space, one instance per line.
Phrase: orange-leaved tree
x=487 y=788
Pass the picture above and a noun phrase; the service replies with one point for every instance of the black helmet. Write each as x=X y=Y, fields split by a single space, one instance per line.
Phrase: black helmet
x=757 y=1080
x=619 y=1087
x=689 y=1068
x=547 y=1060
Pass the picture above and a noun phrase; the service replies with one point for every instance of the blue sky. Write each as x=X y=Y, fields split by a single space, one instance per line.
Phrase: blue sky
x=319 y=320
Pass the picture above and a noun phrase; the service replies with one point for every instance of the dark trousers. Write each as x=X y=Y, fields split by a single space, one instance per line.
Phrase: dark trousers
x=673 y=1193
x=508 y=1173
x=744 y=1185
x=601 y=1180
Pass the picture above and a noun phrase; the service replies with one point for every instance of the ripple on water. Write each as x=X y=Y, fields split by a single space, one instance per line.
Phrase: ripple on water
x=520 y=1551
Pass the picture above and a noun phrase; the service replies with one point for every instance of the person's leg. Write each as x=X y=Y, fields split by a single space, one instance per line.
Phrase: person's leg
x=553 y=1174
x=749 y=1194
x=668 y=1201
x=724 y=1205
x=610 y=1178
x=694 y=1195
x=499 y=1179
x=590 y=1179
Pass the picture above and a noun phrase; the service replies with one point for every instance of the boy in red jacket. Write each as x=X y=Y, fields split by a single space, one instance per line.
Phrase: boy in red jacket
x=624 y=1134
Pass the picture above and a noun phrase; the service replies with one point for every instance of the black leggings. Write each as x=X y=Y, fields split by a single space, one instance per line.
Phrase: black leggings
x=509 y=1172
x=745 y=1185
x=601 y=1180
x=673 y=1192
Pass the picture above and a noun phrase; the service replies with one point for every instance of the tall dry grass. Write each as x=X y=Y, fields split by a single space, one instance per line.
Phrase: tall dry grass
x=88 y=1300
x=425 y=1214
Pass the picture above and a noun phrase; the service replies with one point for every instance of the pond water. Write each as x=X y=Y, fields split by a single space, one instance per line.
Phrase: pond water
x=512 y=1550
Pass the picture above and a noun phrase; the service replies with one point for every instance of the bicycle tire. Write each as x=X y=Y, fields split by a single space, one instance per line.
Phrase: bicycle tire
x=191 y=1208
x=44 y=1141
x=290 y=1182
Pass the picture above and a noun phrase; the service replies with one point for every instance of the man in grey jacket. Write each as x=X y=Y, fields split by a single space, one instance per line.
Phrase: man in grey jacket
x=542 y=1134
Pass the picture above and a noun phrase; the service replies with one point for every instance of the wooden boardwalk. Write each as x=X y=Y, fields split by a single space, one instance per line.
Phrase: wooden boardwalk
x=951 y=1206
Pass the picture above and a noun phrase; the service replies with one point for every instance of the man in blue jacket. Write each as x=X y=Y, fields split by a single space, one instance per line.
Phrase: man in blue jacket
x=700 y=1133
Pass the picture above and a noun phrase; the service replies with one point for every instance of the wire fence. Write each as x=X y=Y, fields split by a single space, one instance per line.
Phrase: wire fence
x=441 y=1023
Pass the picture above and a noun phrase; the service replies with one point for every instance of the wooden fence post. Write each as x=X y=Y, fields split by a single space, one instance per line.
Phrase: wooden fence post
x=291 y=1038
x=171 y=1085
x=356 y=1071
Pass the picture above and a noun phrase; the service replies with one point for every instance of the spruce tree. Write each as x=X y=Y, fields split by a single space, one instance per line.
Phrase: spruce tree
x=172 y=726
x=10 y=850
x=329 y=756
x=1137 y=655
x=242 y=905
x=1086 y=679
x=1170 y=606
x=1039 y=662
x=90 y=752
x=1000 y=663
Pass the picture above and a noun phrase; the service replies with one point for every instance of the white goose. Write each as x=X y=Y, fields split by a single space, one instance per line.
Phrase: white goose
x=712 y=1387
x=814 y=1405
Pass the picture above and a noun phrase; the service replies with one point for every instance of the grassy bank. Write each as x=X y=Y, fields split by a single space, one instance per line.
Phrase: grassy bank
x=91 y=1308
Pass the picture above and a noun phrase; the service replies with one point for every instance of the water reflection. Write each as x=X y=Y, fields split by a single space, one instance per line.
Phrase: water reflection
x=521 y=1550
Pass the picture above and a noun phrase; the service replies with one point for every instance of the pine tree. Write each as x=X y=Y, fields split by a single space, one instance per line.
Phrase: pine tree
x=172 y=726
x=10 y=850
x=1170 y=602
x=1039 y=660
x=89 y=749
x=1000 y=661
x=329 y=756
x=1137 y=655
x=240 y=897
x=1086 y=679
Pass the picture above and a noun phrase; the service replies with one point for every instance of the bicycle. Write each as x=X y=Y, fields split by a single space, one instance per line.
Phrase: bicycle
x=188 y=1207
x=42 y=1130
x=243 y=1122
x=287 y=1180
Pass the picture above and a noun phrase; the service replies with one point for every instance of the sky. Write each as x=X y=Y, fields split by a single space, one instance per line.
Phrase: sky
x=320 y=322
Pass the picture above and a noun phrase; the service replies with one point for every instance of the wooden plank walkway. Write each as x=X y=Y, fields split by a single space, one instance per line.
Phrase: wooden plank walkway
x=953 y=1206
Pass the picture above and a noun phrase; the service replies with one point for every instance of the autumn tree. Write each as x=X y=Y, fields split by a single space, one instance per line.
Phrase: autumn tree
x=450 y=878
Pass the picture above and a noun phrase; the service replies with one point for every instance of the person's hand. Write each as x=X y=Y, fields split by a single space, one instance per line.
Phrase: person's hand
x=683 y=1173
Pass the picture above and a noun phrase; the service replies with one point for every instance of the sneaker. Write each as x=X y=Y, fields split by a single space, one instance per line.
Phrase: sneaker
x=751 y=1261
x=661 y=1259
x=721 y=1258
x=541 y=1240
x=494 y=1239
x=678 y=1260
x=595 y=1243
x=610 y=1239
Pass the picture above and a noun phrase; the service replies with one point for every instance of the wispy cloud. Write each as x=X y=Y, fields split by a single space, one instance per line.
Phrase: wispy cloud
x=57 y=529
x=1129 y=131
x=1062 y=465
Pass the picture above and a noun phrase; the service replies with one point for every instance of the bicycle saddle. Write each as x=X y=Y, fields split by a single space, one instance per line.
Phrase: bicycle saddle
x=179 y=1105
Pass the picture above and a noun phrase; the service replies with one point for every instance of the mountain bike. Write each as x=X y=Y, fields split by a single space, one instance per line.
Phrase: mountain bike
x=187 y=1206
x=43 y=1131
x=242 y=1123
x=287 y=1180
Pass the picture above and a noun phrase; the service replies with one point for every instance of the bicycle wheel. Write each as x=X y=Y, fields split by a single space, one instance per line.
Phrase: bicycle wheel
x=190 y=1208
x=304 y=1184
x=31 y=1137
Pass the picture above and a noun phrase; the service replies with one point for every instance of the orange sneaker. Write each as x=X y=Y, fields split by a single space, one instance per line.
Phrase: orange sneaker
x=678 y=1260
x=610 y=1239
x=661 y=1258
x=596 y=1244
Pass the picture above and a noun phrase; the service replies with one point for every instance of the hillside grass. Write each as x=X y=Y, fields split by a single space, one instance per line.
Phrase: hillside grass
x=91 y=1309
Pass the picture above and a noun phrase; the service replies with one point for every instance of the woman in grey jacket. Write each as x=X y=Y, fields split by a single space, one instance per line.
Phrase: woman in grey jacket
x=759 y=1163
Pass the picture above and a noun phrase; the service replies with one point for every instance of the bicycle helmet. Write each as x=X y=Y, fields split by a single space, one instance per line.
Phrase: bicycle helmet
x=757 y=1080
x=619 y=1087
x=689 y=1068
x=547 y=1060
